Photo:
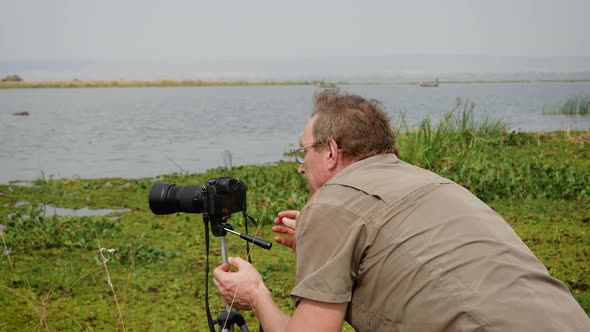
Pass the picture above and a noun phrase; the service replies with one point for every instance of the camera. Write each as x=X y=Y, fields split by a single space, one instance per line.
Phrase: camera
x=218 y=199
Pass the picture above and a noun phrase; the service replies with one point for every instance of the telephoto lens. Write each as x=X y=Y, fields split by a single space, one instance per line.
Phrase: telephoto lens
x=168 y=198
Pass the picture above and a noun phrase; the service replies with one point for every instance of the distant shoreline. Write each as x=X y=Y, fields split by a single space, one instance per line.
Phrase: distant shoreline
x=144 y=83
x=189 y=83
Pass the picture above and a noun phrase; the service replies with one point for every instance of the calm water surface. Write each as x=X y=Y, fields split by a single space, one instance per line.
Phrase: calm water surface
x=144 y=132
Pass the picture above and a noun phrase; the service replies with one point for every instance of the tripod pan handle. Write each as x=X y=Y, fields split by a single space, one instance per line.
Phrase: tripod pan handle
x=257 y=241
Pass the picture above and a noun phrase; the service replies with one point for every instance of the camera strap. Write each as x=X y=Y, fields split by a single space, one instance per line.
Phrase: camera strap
x=252 y=220
x=207 y=309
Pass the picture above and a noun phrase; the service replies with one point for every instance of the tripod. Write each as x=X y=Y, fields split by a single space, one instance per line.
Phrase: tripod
x=228 y=318
x=219 y=228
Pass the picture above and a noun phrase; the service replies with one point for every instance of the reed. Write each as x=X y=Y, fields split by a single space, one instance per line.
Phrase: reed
x=577 y=105
x=459 y=133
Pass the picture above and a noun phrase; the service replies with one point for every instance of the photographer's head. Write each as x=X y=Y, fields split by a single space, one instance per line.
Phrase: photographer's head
x=359 y=126
x=344 y=128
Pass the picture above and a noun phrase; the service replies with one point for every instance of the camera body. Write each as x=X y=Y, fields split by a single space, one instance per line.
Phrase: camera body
x=225 y=196
x=217 y=200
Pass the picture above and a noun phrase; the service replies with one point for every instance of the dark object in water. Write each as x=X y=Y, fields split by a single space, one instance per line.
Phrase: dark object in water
x=21 y=113
x=429 y=84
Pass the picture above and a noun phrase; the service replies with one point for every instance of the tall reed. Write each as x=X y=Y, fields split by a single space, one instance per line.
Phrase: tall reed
x=578 y=105
x=436 y=146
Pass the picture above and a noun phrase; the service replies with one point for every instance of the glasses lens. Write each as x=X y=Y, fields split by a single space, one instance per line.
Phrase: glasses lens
x=299 y=155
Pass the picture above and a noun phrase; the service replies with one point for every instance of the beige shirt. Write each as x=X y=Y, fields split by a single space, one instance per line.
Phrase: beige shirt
x=412 y=251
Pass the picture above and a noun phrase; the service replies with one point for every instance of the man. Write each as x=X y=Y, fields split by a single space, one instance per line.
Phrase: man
x=388 y=246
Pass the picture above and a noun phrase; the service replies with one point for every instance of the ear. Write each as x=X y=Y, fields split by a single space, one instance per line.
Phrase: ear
x=334 y=154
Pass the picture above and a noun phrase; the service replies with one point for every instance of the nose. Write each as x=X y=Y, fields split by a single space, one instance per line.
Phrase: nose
x=301 y=169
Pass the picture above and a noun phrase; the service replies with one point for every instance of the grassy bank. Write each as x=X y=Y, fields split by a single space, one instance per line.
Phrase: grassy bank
x=53 y=276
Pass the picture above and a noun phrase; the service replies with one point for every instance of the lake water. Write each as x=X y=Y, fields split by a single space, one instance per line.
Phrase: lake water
x=144 y=132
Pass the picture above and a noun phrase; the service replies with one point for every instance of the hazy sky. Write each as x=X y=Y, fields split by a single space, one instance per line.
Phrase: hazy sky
x=228 y=29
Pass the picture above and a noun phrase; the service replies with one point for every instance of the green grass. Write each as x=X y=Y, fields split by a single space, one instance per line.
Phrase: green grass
x=460 y=132
x=51 y=276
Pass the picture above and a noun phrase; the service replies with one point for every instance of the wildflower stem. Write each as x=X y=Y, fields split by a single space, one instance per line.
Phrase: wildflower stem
x=103 y=263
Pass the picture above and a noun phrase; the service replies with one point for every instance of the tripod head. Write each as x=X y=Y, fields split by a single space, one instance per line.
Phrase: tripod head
x=221 y=228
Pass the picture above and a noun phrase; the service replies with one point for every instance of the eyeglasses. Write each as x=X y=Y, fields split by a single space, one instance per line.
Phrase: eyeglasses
x=300 y=153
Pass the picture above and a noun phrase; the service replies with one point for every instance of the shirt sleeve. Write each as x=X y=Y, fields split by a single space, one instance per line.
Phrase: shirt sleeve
x=330 y=245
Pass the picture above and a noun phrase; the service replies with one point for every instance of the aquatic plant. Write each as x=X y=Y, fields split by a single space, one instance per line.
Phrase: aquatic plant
x=577 y=105
x=453 y=138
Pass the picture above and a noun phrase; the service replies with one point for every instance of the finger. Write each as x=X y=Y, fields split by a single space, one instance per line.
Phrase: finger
x=283 y=230
x=292 y=214
x=279 y=220
x=221 y=268
x=216 y=283
x=289 y=222
x=284 y=241
x=217 y=279
x=237 y=262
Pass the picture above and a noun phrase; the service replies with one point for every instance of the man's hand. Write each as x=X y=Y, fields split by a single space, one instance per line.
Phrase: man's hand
x=244 y=289
x=240 y=288
x=285 y=222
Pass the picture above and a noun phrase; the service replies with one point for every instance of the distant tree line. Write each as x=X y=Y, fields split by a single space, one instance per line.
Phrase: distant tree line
x=12 y=78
